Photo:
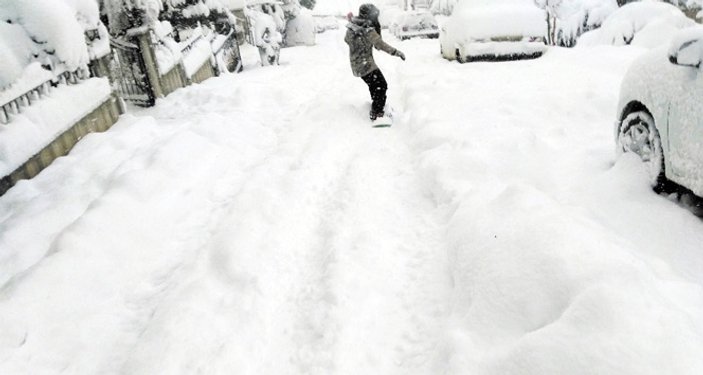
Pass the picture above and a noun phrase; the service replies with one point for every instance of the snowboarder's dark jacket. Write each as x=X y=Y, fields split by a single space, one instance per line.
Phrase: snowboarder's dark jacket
x=361 y=38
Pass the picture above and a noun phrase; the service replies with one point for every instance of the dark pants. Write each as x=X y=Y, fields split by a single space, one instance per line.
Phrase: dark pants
x=377 y=88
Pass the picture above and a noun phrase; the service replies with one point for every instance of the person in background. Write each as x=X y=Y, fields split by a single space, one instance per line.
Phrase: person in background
x=364 y=34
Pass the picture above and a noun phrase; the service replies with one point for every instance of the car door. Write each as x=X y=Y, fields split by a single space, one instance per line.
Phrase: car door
x=686 y=129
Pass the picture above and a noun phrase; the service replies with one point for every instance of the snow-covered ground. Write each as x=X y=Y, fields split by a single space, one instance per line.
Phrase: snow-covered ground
x=256 y=224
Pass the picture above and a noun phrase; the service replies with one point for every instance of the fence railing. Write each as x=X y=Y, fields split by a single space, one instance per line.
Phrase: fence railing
x=18 y=103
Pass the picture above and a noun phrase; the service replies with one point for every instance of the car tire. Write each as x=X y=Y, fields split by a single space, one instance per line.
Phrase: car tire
x=639 y=135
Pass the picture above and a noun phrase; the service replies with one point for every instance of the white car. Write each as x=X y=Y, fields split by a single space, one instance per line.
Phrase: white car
x=660 y=112
x=415 y=24
x=494 y=30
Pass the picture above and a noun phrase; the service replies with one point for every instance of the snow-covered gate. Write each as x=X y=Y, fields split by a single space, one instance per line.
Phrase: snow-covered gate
x=138 y=78
x=129 y=73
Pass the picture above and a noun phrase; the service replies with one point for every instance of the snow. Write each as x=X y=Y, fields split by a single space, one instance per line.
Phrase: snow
x=647 y=24
x=251 y=224
x=194 y=59
x=18 y=50
x=100 y=47
x=167 y=50
x=45 y=119
x=32 y=76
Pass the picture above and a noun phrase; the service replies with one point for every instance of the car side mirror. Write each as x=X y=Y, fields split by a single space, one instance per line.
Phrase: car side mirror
x=686 y=48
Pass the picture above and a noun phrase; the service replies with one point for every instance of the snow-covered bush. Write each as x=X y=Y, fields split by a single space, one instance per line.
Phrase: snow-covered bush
x=647 y=24
x=49 y=32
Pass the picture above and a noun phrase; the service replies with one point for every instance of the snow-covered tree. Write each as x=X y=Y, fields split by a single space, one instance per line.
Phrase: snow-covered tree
x=552 y=8
x=186 y=15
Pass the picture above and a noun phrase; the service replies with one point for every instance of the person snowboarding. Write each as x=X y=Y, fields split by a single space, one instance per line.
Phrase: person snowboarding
x=364 y=34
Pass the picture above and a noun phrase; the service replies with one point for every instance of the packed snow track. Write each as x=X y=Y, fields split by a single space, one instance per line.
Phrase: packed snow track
x=257 y=224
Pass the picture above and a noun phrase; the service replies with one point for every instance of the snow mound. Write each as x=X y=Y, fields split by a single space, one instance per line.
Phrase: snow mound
x=646 y=24
x=546 y=303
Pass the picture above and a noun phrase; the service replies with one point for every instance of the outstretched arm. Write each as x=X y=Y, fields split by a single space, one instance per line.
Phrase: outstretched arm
x=379 y=44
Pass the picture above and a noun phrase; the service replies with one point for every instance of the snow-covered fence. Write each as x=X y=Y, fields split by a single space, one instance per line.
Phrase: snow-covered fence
x=14 y=100
x=97 y=119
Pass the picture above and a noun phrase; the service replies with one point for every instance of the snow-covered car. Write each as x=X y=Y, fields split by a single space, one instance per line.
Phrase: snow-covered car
x=494 y=30
x=660 y=112
x=646 y=24
x=415 y=24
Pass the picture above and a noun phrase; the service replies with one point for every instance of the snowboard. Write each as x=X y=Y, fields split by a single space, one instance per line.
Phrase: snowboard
x=384 y=122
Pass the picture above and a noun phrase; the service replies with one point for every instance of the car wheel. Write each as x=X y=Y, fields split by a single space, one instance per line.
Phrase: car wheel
x=639 y=135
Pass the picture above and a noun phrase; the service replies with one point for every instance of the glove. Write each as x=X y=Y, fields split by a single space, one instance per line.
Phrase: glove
x=400 y=54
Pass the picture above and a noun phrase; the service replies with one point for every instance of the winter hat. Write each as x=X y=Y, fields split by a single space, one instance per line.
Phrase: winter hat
x=369 y=12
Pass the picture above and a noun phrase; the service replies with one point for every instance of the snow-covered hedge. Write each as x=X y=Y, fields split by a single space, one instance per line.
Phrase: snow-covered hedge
x=51 y=32
x=647 y=24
